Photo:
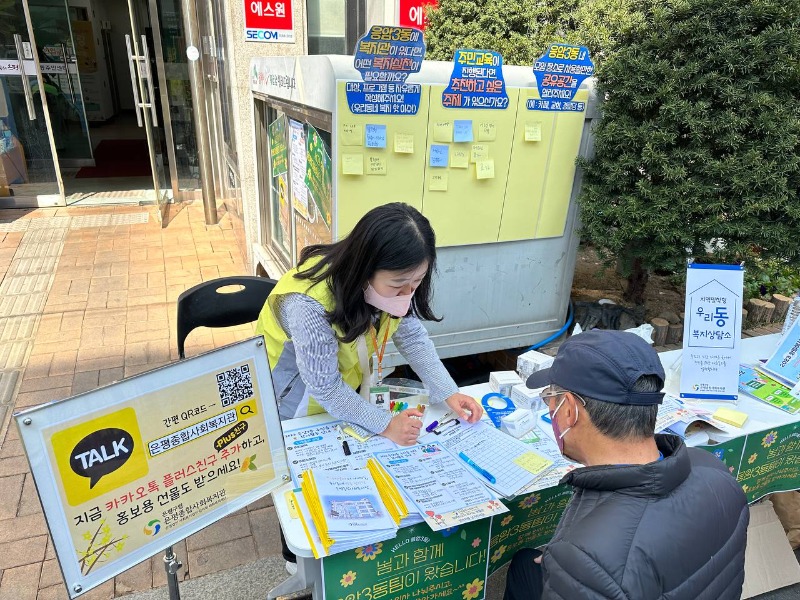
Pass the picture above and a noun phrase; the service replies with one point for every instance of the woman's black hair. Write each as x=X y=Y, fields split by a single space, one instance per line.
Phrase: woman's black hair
x=391 y=237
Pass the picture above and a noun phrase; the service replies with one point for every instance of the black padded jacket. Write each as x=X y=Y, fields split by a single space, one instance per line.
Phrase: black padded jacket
x=674 y=529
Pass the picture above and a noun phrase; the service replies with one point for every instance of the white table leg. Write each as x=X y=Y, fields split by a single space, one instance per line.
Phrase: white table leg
x=308 y=575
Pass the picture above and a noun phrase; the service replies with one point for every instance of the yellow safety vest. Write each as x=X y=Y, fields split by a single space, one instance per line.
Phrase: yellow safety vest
x=276 y=338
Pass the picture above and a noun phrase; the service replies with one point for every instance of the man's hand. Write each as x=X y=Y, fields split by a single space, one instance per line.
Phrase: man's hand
x=404 y=428
x=461 y=403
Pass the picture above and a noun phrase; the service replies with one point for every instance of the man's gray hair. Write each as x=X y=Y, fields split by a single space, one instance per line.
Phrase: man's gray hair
x=625 y=421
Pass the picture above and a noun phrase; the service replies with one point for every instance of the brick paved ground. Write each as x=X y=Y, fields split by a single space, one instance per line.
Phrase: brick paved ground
x=87 y=297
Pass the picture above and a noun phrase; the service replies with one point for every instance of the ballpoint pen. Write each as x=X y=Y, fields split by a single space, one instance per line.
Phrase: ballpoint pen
x=483 y=472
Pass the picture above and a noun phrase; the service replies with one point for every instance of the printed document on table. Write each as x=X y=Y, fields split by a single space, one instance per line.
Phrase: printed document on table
x=494 y=452
x=322 y=448
x=440 y=485
x=351 y=503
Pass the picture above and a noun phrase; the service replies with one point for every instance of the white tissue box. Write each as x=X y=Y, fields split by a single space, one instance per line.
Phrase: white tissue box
x=525 y=397
x=532 y=361
x=518 y=423
x=502 y=381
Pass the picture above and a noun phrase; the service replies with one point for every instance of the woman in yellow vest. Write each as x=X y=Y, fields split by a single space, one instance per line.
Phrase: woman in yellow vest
x=326 y=318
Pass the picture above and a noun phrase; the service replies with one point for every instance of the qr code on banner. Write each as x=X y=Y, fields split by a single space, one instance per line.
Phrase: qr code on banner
x=235 y=385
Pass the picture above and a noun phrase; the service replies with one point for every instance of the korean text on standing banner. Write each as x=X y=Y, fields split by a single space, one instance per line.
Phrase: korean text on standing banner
x=126 y=470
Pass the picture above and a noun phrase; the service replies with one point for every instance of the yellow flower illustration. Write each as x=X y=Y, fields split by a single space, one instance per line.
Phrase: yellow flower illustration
x=348 y=578
x=507 y=520
x=369 y=552
x=473 y=590
x=745 y=487
x=752 y=458
x=770 y=439
x=498 y=554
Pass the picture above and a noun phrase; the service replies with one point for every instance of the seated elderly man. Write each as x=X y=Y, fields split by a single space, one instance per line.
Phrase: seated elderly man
x=649 y=518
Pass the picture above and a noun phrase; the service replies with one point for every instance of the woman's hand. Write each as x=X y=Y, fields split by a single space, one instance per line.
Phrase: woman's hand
x=404 y=427
x=461 y=403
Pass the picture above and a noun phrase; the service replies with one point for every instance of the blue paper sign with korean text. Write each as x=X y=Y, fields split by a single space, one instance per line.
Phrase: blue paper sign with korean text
x=385 y=56
x=712 y=332
x=477 y=81
x=559 y=73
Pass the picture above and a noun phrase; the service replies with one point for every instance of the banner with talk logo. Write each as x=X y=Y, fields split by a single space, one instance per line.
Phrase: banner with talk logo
x=126 y=470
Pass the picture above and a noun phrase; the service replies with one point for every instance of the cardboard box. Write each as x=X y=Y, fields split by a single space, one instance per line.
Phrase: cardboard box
x=769 y=562
x=502 y=381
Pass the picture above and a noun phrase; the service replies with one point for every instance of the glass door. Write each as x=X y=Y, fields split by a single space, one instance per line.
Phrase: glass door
x=143 y=72
x=29 y=174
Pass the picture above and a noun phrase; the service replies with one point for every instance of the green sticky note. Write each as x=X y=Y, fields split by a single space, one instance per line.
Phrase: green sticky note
x=352 y=134
x=404 y=143
x=352 y=164
x=459 y=158
x=484 y=169
x=438 y=181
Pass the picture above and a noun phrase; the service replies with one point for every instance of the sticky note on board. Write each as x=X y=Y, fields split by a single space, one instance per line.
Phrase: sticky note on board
x=352 y=164
x=438 y=181
x=352 y=134
x=479 y=152
x=404 y=143
x=439 y=154
x=376 y=165
x=443 y=131
x=484 y=169
x=487 y=132
x=533 y=131
x=730 y=416
x=532 y=462
x=376 y=136
x=459 y=158
x=462 y=131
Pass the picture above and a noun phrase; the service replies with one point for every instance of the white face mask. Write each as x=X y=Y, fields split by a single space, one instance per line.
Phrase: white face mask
x=397 y=306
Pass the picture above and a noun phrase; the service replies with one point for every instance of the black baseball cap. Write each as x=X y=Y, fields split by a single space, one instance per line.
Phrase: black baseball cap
x=603 y=365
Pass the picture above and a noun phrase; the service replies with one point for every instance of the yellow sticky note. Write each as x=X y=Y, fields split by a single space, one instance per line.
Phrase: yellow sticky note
x=532 y=462
x=353 y=164
x=484 y=169
x=479 y=152
x=487 y=132
x=533 y=131
x=404 y=143
x=443 y=131
x=459 y=158
x=376 y=165
x=730 y=416
x=438 y=181
x=352 y=134
x=291 y=504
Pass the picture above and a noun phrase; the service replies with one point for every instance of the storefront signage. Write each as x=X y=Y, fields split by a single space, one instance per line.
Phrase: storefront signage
x=712 y=332
x=385 y=56
x=412 y=13
x=126 y=470
x=477 y=81
x=418 y=563
x=559 y=73
x=268 y=21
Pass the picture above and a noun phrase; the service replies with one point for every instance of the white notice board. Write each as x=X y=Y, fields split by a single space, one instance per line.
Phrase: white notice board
x=129 y=469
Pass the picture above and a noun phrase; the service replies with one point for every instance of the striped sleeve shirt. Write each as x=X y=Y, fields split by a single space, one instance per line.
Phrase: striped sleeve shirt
x=316 y=347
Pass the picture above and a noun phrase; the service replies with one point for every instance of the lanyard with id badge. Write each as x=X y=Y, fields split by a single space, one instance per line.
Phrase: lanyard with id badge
x=379 y=393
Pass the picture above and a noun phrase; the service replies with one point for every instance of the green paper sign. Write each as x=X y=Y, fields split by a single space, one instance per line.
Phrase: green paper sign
x=277 y=146
x=729 y=452
x=418 y=564
x=770 y=461
x=318 y=173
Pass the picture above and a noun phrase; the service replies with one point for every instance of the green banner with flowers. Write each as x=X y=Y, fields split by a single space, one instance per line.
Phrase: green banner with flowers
x=729 y=452
x=530 y=522
x=418 y=563
x=771 y=461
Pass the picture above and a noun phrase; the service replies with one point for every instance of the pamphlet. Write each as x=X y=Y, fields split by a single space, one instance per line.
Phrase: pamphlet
x=785 y=361
x=762 y=387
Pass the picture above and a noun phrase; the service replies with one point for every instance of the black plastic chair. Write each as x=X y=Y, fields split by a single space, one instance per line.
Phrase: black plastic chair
x=205 y=305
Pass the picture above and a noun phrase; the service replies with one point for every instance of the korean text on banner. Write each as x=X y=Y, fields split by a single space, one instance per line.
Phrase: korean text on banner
x=268 y=21
x=476 y=82
x=712 y=332
x=126 y=470
x=559 y=73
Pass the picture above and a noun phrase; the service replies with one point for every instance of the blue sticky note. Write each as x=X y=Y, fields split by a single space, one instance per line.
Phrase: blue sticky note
x=462 y=131
x=376 y=136
x=439 y=155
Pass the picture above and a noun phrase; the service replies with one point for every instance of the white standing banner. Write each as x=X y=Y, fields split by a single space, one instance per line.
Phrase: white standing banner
x=712 y=332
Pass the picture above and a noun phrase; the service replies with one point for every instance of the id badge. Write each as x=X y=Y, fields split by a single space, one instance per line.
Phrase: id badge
x=379 y=396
